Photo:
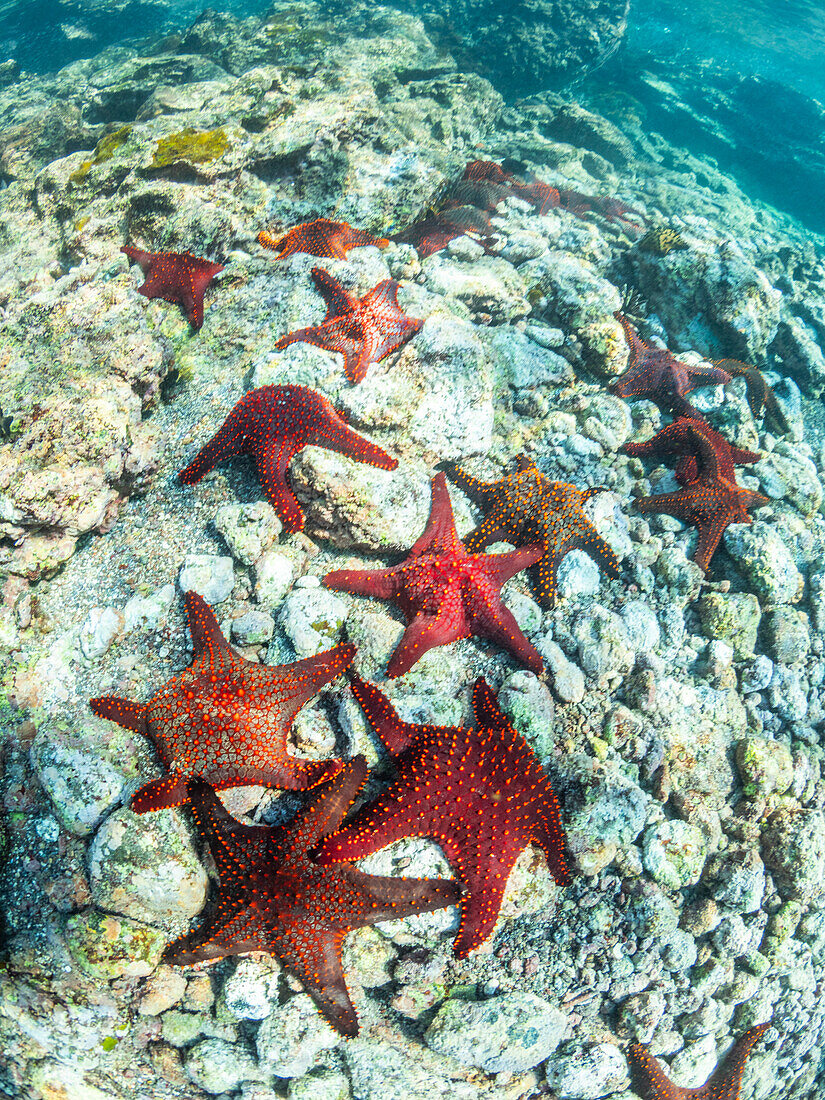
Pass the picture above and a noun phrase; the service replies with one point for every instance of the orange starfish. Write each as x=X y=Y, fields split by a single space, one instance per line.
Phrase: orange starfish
x=724 y=1083
x=322 y=237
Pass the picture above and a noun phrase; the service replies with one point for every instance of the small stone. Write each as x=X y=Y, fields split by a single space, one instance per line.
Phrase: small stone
x=679 y=951
x=510 y=1033
x=106 y=946
x=586 y=1071
x=787 y=635
x=764 y=766
x=253 y=628
x=641 y=625
x=251 y=991
x=641 y=1013
x=292 y=1036
x=368 y=957
x=674 y=853
x=319 y=1084
x=757 y=675
x=218 y=1066
x=148 y=612
x=274 y=574
x=528 y=704
x=211 y=576
x=578 y=575
x=248 y=529
x=793 y=847
x=736 y=878
x=100 y=628
x=162 y=991
x=568 y=679
x=732 y=617
x=603 y=642
x=765 y=561
x=313 y=619
x=82 y=784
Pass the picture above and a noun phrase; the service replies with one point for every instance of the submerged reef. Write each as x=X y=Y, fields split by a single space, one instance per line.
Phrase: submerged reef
x=671 y=712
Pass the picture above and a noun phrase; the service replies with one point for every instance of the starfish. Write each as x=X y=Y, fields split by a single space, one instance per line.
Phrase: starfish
x=444 y=592
x=611 y=209
x=691 y=438
x=656 y=373
x=760 y=394
x=711 y=502
x=273 y=897
x=332 y=240
x=433 y=233
x=176 y=277
x=226 y=719
x=724 y=1083
x=273 y=424
x=363 y=330
x=527 y=507
x=481 y=794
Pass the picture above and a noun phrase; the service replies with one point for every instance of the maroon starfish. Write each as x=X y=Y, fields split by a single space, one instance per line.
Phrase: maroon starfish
x=711 y=502
x=724 y=1083
x=434 y=233
x=656 y=373
x=481 y=794
x=444 y=592
x=176 y=277
x=320 y=238
x=226 y=719
x=363 y=330
x=691 y=438
x=760 y=395
x=527 y=507
x=272 y=897
x=272 y=424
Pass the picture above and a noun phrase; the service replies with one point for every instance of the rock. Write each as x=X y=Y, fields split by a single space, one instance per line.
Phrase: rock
x=253 y=628
x=524 y=362
x=368 y=958
x=100 y=628
x=380 y=1070
x=792 y=477
x=757 y=675
x=251 y=991
x=568 y=679
x=108 y=947
x=148 y=612
x=164 y=989
x=218 y=1066
x=788 y=693
x=787 y=635
x=144 y=867
x=292 y=1036
x=640 y=1014
x=577 y=575
x=528 y=704
x=793 y=847
x=248 y=529
x=641 y=625
x=319 y=1084
x=603 y=642
x=607 y=814
x=491 y=288
x=313 y=619
x=682 y=577
x=510 y=1033
x=674 y=853
x=765 y=766
x=209 y=575
x=586 y=1071
x=765 y=562
x=736 y=879
x=274 y=573
x=734 y=618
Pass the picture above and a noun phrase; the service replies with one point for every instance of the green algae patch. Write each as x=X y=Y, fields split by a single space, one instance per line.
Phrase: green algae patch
x=104 y=150
x=192 y=146
x=107 y=946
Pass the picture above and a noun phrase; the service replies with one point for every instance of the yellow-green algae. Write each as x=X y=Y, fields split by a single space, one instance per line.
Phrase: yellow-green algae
x=104 y=150
x=192 y=146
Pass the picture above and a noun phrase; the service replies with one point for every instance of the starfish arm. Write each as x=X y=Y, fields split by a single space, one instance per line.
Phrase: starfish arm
x=131 y=716
x=315 y=334
x=549 y=837
x=381 y=822
x=230 y=440
x=500 y=626
x=504 y=566
x=235 y=847
x=479 y=491
x=228 y=931
x=391 y=898
x=488 y=714
x=726 y=1080
x=338 y=436
x=710 y=535
x=138 y=256
x=705 y=376
x=395 y=734
x=357 y=359
x=546 y=579
x=289 y=687
x=338 y=300
x=493 y=528
x=383 y=584
x=595 y=547
x=320 y=817
x=439 y=536
x=313 y=955
x=160 y=794
x=647 y=1077
x=635 y=343
x=670 y=503
x=774 y=410
x=203 y=628
x=483 y=894
x=424 y=633
x=272 y=457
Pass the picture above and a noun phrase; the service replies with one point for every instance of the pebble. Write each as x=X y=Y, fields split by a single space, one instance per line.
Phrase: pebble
x=568 y=679
x=218 y=1066
x=765 y=561
x=248 y=529
x=274 y=573
x=253 y=628
x=292 y=1036
x=211 y=576
x=578 y=575
x=148 y=612
x=587 y=1071
x=312 y=618
x=674 y=853
x=100 y=628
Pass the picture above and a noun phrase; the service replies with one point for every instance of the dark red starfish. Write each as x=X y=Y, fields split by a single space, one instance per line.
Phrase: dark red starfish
x=481 y=794
x=527 y=507
x=272 y=424
x=444 y=592
x=656 y=373
x=363 y=330
x=272 y=897
x=320 y=238
x=226 y=719
x=176 y=277
x=435 y=232
x=711 y=502
x=760 y=394
x=691 y=439
x=725 y=1082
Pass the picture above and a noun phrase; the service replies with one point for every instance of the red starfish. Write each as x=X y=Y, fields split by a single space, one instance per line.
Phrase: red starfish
x=444 y=592
x=760 y=394
x=657 y=374
x=711 y=502
x=691 y=439
x=272 y=897
x=176 y=277
x=434 y=233
x=226 y=719
x=724 y=1083
x=320 y=238
x=272 y=424
x=481 y=794
x=527 y=507
x=363 y=330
